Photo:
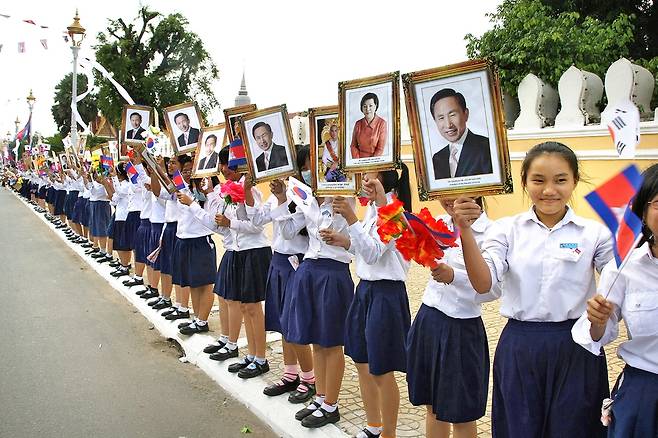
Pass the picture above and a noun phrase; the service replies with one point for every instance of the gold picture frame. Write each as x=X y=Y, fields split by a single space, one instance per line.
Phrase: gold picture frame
x=323 y=116
x=218 y=131
x=476 y=174
x=231 y=116
x=386 y=91
x=191 y=110
x=131 y=136
x=276 y=118
x=160 y=173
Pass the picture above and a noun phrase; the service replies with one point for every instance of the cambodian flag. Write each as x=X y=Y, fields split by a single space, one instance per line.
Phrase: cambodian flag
x=236 y=156
x=132 y=172
x=178 y=181
x=26 y=131
x=107 y=162
x=612 y=201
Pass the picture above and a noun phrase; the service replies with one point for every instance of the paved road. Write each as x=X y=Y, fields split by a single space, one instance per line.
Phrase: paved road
x=76 y=360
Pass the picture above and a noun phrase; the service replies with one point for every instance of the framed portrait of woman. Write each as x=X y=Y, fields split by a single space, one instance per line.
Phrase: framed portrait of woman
x=329 y=178
x=206 y=158
x=268 y=143
x=458 y=130
x=369 y=111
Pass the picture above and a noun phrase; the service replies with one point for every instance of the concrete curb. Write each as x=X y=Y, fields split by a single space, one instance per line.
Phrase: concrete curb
x=275 y=411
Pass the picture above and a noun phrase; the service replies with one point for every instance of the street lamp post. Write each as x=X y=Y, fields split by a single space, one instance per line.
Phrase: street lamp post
x=30 y=103
x=77 y=34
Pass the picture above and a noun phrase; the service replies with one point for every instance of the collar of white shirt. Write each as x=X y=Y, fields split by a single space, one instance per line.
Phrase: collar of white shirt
x=570 y=216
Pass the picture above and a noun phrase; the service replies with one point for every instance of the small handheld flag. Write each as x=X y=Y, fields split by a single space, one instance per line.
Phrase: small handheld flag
x=132 y=172
x=623 y=123
x=236 y=156
x=150 y=143
x=178 y=180
x=611 y=201
x=107 y=162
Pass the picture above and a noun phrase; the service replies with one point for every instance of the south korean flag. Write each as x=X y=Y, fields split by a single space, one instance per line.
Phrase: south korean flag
x=623 y=123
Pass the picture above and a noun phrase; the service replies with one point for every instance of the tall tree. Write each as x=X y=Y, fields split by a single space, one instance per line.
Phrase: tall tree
x=61 y=110
x=157 y=61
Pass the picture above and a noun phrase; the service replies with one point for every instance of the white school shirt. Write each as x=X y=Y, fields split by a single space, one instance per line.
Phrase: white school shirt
x=120 y=198
x=98 y=192
x=158 y=209
x=206 y=216
x=635 y=298
x=458 y=299
x=188 y=226
x=375 y=260
x=58 y=185
x=268 y=212
x=314 y=218
x=145 y=212
x=171 y=209
x=80 y=186
x=86 y=193
x=547 y=274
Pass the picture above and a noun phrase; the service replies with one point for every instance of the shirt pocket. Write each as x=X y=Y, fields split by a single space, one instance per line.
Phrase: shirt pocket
x=640 y=310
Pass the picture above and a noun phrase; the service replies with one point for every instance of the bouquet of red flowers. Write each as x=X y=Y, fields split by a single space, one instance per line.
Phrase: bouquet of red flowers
x=420 y=237
x=232 y=193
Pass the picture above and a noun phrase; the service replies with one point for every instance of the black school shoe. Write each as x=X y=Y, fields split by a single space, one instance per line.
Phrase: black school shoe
x=106 y=258
x=133 y=282
x=92 y=251
x=193 y=329
x=169 y=311
x=184 y=324
x=369 y=434
x=152 y=293
x=312 y=422
x=224 y=354
x=162 y=304
x=296 y=397
x=98 y=254
x=235 y=367
x=121 y=271
x=281 y=387
x=214 y=347
x=254 y=369
x=305 y=412
x=178 y=315
x=86 y=244
x=115 y=264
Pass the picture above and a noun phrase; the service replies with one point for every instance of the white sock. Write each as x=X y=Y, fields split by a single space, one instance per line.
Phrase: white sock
x=260 y=360
x=183 y=309
x=374 y=430
x=231 y=345
x=318 y=400
x=223 y=339
x=200 y=322
x=326 y=407
x=137 y=277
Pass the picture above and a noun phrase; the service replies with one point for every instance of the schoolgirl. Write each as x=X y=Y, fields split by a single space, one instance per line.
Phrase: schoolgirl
x=100 y=215
x=288 y=253
x=447 y=332
x=195 y=258
x=78 y=186
x=321 y=292
x=156 y=219
x=121 y=190
x=544 y=383
x=143 y=231
x=60 y=200
x=85 y=210
x=633 y=297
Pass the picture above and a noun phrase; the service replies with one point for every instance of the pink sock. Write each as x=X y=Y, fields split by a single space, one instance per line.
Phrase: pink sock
x=308 y=377
x=290 y=373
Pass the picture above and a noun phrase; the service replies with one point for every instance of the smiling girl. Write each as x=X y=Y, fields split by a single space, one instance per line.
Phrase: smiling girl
x=544 y=384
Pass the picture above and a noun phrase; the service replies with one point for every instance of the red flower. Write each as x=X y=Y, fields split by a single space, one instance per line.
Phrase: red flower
x=390 y=222
x=363 y=200
x=232 y=192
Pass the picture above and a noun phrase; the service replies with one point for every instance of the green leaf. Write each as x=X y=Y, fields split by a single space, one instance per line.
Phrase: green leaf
x=245 y=429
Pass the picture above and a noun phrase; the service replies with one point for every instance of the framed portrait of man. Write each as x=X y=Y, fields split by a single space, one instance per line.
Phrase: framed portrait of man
x=232 y=119
x=135 y=122
x=268 y=143
x=458 y=130
x=328 y=176
x=206 y=158
x=73 y=158
x=64 y=160
x=156 y=169
x=369 y=110
x=184 y=123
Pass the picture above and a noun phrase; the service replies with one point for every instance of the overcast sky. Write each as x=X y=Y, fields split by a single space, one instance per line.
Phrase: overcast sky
x=293 y=52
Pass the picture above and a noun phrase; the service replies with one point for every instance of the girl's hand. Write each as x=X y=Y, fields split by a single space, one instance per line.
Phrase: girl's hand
x=278 y=189
x=599 y=310
x=374 y=190
x=184 y=199
x=334 y=238
x=466 y=212
x=112 y=171
x=248 y=182
x=443 y=273
x=222 y=221
x=342 y=206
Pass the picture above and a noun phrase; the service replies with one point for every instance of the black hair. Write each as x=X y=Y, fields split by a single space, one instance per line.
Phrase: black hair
x=183 y=159
x=303 y=152
x=647 y=192
x=550 y=147
x=136 y=114
x=372 y=96
x=260 y=125
x=447 y=92
x=215 y=180
x=223 y=155
x=391 y=181
x=121 y=170
x=181 y=114
x=212 y=136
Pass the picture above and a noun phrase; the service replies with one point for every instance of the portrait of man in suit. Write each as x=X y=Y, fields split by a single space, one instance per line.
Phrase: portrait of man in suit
x=189 y=134
x=210 y=156
x=273 y=155
x=136 y=132
x=466 y=153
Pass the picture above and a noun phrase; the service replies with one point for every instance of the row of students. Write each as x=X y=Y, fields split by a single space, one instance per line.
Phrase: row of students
x=541 y=264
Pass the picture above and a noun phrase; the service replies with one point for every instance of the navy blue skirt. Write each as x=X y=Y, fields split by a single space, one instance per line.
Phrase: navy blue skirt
x=546 y=385
x=77 y=210
x=60 y=201
x=448 y=365
x=132 y=224
x=50 y=195
x=196 y=262
x=120 y=242
x=100 y=218
x=317 y=300
x=166 y=255
x=377 y=325
x=154 y=242
x=249 y=275
x=635 y=407
x=41 y=194
x=278 y=278
x=69 y=204
x=85 y=213
x=142 y=241
x=224 y=277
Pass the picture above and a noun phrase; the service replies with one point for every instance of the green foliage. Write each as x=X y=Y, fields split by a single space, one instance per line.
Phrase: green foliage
x=530 y=37
x=157 y=61
x=61 y=110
